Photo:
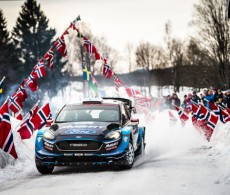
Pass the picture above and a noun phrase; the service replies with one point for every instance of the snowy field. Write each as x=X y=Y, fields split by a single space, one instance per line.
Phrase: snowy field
x=178 y=160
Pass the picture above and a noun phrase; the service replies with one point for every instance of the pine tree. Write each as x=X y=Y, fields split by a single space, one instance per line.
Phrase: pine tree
x=7 y=57
x=32 y=35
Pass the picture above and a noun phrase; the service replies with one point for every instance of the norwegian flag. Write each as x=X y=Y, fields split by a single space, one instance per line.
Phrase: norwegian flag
x=132 y=92
x=41 y=117
x=207 y=121
x=143 y=101
x=118 y=82
x=212 y=120
x=31 y=82
x=218 y=111
x=88 y=45
x=210 y=125
x=18 y=116
x=14 y=103
x=90 y=48
x=21 y=92
x=182 y=115
x=49 y=57
x=61 y=46
x=197 y=118
x=27 y=127
x=144 y=104
x=6 y=136
x=172 y=117
x=39 y=69
x=107 y=71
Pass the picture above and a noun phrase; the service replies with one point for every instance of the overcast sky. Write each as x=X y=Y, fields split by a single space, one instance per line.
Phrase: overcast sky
x=119 y=21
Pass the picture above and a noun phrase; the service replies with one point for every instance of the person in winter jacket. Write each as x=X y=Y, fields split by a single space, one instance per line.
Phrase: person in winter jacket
x=195 y=97
x=218 y=97
x=227 y=99
x=175 y=100
x=186 y=104
x=209 y=98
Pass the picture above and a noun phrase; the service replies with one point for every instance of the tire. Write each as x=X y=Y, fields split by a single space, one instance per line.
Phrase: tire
x=129 y=157
x=45 y=169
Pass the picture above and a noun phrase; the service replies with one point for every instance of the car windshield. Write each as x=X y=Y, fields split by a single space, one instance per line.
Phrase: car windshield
x=77 y=113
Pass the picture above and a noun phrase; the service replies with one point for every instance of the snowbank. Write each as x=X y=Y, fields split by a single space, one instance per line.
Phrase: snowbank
x=220 y=151
x=13 y=169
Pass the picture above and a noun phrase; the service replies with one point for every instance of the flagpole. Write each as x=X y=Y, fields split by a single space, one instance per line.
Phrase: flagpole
x=27 y=115
x=2 y=80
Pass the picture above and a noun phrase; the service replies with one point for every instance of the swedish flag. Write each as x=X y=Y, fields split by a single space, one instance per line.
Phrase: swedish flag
x=86 y=73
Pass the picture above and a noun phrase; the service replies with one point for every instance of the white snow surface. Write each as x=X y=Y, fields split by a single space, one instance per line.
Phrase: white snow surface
x=178 y=160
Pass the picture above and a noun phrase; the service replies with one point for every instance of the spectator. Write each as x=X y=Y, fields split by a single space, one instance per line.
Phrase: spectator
x=227 y=99
x=175 y=100
x=202 y=99
x=209 y=98
x=218 y=97
x=168 y=101
x=195 y=97
x=186 y=104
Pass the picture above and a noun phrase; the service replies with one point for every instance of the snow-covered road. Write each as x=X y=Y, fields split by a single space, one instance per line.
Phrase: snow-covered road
x=176 y=162
x=190 y=173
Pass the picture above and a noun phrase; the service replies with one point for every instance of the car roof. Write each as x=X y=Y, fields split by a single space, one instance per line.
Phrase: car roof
x=96 y=101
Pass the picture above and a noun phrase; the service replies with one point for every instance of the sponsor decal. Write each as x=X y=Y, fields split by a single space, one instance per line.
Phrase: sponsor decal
x=111 y=146
x=48 y=146
x=83 y=127
x=78 y=131
x=78 y=145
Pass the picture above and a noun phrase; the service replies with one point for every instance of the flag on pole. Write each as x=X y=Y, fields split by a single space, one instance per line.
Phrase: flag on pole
x=86 y=73
x=6 y=135
x=42 y=117
x=39 y=69
x=107 y=71
x=182 y=115
x=61 y=46
x=21 y=92
x=31 y=82
x=93 y=84
x=49 y=57
x=132 y=92
x=27 y=127
x=14 y=103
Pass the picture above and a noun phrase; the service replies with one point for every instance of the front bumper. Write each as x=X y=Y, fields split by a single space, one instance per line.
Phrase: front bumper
x=46 y=157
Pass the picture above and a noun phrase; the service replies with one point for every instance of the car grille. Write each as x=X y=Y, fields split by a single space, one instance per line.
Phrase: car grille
x=78 y=145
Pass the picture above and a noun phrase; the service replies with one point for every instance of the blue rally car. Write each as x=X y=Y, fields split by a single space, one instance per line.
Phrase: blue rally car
x=95 y=131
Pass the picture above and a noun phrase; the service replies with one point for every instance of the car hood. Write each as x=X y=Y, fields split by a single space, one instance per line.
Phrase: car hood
x=81 y=128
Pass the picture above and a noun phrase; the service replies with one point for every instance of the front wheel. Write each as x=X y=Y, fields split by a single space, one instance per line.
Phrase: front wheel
x=129 y=157
x=45 y=169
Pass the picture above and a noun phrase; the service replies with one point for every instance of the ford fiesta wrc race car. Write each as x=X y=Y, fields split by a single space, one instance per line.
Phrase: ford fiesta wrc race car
x=92 y=132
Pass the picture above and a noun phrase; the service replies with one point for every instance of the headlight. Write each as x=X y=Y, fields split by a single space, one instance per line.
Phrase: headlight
x=49 y=135
x=113 y=135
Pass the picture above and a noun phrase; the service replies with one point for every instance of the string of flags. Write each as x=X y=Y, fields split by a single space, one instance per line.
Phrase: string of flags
x=203 y=118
